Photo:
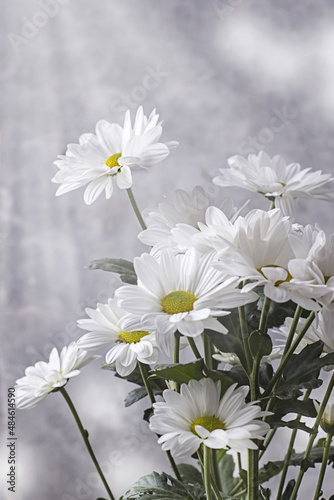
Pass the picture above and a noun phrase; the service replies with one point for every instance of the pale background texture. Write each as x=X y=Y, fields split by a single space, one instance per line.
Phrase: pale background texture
x=225 y=70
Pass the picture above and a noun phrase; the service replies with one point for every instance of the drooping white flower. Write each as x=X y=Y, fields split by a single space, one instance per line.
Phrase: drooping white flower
x=200 y=415
x=180 y=292
x=327 y=419
x=44 y=377
x=314 y=264
x=175 y=223
x=110 y=155
x=128 y=347
x=273 y=178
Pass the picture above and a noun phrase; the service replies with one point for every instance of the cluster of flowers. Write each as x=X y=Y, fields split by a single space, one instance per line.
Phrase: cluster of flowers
x=205 y=259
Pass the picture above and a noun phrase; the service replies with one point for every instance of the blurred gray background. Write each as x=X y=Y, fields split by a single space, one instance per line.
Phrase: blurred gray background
x=227 y=77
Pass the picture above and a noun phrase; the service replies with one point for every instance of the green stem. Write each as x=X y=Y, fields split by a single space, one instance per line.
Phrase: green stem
x=313 y=436
x=236 y=488
x=293 y=329
x=194 y=349
x=207 y=472
x=267 y=442
x=253 y=475
x=215 y=469
x=136 y=209
x=323 y=466
x=207 y=351
x=264 y=315
x=289 y=452
x=144 y=376
x=84 y=435
x=244 y=334
x=285 y=359
x=203 y=469
x=272 y=205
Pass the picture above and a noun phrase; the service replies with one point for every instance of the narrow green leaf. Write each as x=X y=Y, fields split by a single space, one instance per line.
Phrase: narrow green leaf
x=180 y=373
x=120 y=266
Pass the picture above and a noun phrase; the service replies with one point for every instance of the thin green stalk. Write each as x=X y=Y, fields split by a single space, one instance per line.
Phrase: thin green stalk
x=236 y=488
x=289 y=452
x=136 y=209
x=323 y=466
x=84 y=435
x=203 y=469
x=272 y=205
x=207 y=472
x=253 y=475
x=207 y=351
x=288 y=355
x=144 y=375
x=293 y=328
x=215 y=470
x=267 y=442
x=264 y=315
x=194 y=349
x=313 y=436
x=244 y=334
x=177 y=337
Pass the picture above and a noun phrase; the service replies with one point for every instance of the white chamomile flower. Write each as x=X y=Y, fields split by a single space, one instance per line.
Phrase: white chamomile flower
x=128 y=347
x=200 y=415
x=45 y=377
x=180 y=292
x=273 y=178
x=184 y=212
x=110 y=155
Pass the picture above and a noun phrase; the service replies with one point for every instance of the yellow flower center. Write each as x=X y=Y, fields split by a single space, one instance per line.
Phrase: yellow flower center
x=132 y=337
x=112 y=161
x=209 y=423
x=279 y=282
x=178 y=302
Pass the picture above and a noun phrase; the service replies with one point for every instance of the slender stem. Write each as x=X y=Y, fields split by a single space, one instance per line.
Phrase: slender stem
x=323 y=466
x=289 y=452
x=136 y=209
x=264 y=315
x=313 y=436
x=214 y=486
x=253 y=475
x=194 y=349
x=207 y=351
x=84 y=435
x=272 y=205
x=293 y=328
x=207 y=472
x=215 y=470
x=267 y=442
x=288 y=355
x=244 y=334
x=144 y=376
x=236 y=488
x=177 y=337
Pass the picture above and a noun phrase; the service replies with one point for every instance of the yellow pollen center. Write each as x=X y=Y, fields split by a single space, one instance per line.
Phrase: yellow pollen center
x=132 y=337
x=112 y=161
x=209 y=423
x=279 y=282
x=178 y=302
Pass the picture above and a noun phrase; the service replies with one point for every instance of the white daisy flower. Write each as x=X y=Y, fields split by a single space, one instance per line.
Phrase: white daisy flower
x=180 y=292
x=314 y=264
x=259 y=250
x=110 y=155
x=273 y=178
x=45 y=377
x=199 y=415
x=105 y=330
x=184 y=212
x=231 y=358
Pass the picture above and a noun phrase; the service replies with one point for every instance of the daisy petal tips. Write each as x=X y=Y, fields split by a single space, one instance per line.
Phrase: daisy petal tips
x=110 y=155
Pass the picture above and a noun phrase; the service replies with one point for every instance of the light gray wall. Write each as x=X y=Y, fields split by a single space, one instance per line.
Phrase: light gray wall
x=225 y=70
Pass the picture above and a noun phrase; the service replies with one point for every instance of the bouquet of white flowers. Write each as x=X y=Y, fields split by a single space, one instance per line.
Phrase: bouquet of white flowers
x=209 y=298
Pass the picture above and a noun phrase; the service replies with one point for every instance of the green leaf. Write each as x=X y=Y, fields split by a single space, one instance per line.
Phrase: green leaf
x=265 y=493
x=120 y=266
x=288 y=490
x=164 y=487
x=283 y=407
x=180 y=373
x=260 y=344
x=190 y=474
x=138 y=394
x=291 y=424
x=265 y=374
x=225 y=379
x=238 y=375
x=226 y=467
